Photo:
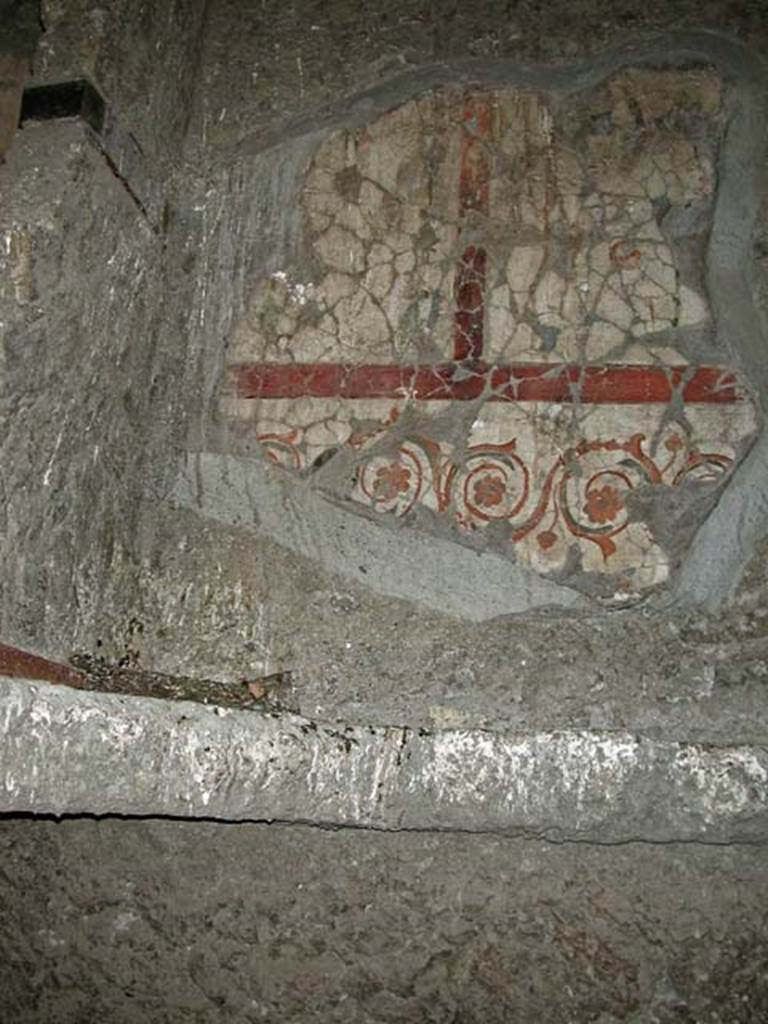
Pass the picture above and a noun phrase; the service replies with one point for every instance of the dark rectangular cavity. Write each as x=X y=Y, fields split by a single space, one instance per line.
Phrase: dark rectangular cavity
x=77 y=98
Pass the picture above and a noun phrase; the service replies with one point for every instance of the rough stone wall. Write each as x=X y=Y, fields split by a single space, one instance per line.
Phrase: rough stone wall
x=143 y=59
x=116 y=344
x=17 y=45
x=87 y=343
x=174 y=922
x=222 y=598
x=295 y=57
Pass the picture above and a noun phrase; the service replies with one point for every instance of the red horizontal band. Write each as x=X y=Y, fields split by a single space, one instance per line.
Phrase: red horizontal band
x=518 y=382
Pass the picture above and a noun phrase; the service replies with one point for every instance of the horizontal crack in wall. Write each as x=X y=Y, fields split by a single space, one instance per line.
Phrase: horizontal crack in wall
x=68 y=752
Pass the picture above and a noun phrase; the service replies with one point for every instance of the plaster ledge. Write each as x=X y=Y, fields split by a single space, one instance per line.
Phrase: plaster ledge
x=68 y=752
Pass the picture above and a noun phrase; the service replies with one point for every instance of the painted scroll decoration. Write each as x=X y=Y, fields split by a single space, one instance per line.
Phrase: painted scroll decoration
x=499 y=325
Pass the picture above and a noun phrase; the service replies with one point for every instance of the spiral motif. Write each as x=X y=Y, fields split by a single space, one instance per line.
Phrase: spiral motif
x=393 y=483
x=596 y=506
x=493 y=484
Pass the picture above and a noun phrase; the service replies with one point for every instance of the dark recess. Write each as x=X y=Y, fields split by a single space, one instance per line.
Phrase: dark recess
x=77 y=98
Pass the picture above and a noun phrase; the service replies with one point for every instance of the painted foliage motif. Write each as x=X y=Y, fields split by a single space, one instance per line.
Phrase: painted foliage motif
x=499 y=322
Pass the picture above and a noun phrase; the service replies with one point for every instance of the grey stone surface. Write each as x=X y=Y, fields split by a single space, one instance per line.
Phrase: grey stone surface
x=20 y=27
x=89 y=339
x=295 y=57
x=192 y=923
x=228 y=603
x=81 y=277
x=66 y=752
x=143 y=59
x=112 y=339
x=473 y=585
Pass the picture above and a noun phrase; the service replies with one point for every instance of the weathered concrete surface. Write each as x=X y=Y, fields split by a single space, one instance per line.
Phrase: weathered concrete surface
x=183 y=760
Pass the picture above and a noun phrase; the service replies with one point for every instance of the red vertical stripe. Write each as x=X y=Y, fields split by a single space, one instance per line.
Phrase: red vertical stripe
x=474 y=198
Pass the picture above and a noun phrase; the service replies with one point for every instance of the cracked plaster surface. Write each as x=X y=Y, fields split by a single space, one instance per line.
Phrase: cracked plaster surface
x=466 y=242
